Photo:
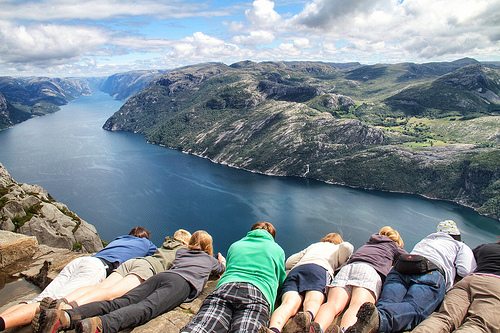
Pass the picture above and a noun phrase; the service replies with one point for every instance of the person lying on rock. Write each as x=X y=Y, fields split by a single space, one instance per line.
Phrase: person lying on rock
x=473 y=304
x=418 y=282
x=245 y=295
x=80 y=272
x=311 y=270
x=358 y=280
x=159 y=294
x=130 y=274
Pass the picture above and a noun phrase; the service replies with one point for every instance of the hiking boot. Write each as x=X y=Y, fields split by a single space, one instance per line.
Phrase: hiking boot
x=264 y=330
x=89 y=325
x=48 y=303
x=298 y=323
x=368 y=320
x=315 y=328
x=53 y=320
x=333 y=328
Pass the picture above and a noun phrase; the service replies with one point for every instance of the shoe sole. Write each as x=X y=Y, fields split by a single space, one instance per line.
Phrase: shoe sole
x=46 y=303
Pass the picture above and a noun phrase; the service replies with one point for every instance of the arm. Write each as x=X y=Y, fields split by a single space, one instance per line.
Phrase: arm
x=344 y=252
x=465 y=262
x=294 y=259
x=152 y=248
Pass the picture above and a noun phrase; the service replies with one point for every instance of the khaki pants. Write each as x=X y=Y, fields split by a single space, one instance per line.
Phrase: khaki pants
x=472 y=305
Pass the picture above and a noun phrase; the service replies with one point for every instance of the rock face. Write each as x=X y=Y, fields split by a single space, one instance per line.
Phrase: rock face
x=30 y=210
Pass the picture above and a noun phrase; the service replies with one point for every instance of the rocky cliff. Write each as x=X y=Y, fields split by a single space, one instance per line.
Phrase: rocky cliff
x=375 y=127
x=29 y=97
x=30 y=210
x=124 y=85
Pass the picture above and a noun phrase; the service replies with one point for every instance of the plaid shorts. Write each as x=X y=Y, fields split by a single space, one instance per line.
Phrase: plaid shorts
x=233 y=307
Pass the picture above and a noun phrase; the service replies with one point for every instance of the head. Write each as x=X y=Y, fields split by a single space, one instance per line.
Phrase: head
x=201 y=240
x=449 y=227
x=333 y=238
x=140 y=232
x=392 y=234
x=183 y=236
x=266 y=226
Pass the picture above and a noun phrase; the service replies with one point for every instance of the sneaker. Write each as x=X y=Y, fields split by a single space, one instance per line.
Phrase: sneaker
x=298 y=323
x=368 y=320
x=333 y=328
x=264 y=330
x=52 y=320
x=315 y=328
x=89 y=325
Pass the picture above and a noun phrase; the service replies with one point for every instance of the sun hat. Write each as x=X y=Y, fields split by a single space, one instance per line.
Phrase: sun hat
x=449 y=227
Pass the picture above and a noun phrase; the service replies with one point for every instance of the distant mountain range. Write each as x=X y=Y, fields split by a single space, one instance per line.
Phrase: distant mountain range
x=432 y=129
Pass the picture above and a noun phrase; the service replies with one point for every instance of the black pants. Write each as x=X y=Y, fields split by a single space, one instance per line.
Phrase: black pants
x=155 y=296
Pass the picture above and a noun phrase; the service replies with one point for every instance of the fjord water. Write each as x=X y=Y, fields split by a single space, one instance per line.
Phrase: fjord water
x=116 y=180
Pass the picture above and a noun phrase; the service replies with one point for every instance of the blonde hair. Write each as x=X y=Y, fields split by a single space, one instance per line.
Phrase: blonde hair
x=392 y=234
x=183 y=236
x=266 y=226
x=201 y=240
x=333 y=238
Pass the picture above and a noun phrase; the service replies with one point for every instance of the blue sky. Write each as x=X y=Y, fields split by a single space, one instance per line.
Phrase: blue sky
x=102 y=37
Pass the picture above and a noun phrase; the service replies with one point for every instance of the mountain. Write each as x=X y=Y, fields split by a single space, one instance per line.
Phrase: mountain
x=355 y=126
x=124 y=85
x=24 y=98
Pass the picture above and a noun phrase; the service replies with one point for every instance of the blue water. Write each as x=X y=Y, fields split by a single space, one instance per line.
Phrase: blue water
x=116 y=180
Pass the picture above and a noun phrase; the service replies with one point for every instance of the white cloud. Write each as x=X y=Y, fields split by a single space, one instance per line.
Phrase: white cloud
x=46 y=10
x=48 y=44
x=201 y=47
x=262 y=14
x=255 y=38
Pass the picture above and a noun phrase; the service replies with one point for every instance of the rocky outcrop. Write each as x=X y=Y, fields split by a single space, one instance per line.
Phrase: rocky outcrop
x=124 y=85
x=30 y=210
x=32 y=267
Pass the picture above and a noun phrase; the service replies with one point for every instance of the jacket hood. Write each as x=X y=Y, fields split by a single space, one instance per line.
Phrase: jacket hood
x=171 y=243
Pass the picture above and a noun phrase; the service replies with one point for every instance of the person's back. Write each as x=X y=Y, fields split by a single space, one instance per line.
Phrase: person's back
x=255 y=259
x=164 y=256
x=245 y=295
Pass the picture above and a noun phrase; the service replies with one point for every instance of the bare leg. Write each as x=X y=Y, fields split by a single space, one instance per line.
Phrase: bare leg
x=359 y=296
x=290 y=304
x=313 y=301
x=19 y=315
x=113 y=291
x=76 y=295
x=337 y=300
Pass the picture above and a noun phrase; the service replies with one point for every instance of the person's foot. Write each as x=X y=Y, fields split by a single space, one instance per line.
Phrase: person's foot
x=333 y=328
x=52 y=320
x=368 y=320
x=48 y=303
x=264 y=330
x=315 y=328
x=89 y=325
x=298 y=323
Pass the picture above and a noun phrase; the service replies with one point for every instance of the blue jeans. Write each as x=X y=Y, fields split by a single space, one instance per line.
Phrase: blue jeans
x=406 y=300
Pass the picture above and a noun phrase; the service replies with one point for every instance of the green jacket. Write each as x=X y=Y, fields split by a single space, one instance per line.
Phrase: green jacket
x=164 y=256
x=259 y=260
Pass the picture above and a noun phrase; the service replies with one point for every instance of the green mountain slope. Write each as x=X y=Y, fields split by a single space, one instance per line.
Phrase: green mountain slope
x=319 y=121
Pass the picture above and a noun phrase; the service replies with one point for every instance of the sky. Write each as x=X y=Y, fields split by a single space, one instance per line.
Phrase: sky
x=68 y=38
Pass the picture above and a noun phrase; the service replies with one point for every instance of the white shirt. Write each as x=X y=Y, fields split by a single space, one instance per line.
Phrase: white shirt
x=452 y=256
x=325 y=254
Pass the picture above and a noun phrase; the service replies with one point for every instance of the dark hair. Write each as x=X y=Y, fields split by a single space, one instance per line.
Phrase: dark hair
x=266 y=226
x=140 y=232
x=456 y=237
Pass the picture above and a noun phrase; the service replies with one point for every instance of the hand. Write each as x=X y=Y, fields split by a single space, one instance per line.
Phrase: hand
x=221 y=258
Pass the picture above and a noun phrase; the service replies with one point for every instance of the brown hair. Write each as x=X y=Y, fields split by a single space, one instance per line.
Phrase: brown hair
x=333 y=238
x=392 y=234
x=140 y=232
x=201 y=240
x=266 y=226
x=183 y=236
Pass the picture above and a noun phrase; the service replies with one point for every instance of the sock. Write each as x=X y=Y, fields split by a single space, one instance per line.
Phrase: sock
x=2 y=324
x=312 y=316
x=274 y=329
